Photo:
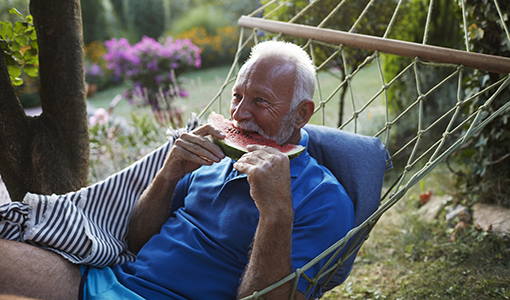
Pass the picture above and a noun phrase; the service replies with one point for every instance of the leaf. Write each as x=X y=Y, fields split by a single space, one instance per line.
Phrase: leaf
x=17 y=81
x=22 y=40
x=34 y=45
x=14 y=71
x=4 y=45
x=482 y=141
x=6 y=29
x=31 y=70
x=475 y=32
x=30 y=56
x=14 y=11
x=15 y=46
x=11 y=60
x=19 y=27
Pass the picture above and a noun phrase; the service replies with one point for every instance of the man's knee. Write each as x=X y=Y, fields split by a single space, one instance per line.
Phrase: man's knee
x=33 y=272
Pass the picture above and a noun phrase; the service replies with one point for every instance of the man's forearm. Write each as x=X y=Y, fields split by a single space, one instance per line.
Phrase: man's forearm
x=151 y=211
x=270 y=259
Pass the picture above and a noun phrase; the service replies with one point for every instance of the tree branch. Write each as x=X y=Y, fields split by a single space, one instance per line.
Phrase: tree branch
x=62 y=79
x=13 y=126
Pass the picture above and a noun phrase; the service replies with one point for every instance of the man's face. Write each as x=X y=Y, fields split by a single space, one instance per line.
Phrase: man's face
x=262 y=98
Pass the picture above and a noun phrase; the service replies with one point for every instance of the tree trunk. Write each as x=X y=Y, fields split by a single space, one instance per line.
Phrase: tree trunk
x=342 y=102
x=48 y=153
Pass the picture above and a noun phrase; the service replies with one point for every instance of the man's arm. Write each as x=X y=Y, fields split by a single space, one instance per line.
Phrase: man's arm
x=270 y=259
x=188 y=153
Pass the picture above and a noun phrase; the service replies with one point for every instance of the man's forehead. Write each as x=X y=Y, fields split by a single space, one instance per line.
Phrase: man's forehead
x=268 y=67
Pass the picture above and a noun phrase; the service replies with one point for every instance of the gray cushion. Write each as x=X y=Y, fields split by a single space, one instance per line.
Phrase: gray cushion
x=359 y=163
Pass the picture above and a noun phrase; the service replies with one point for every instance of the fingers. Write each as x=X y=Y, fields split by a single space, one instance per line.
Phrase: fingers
x=192 y=150
x=262 y=159
x=208 y=129
x=198 y=148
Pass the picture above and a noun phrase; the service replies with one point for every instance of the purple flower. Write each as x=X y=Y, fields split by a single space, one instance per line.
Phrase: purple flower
x=153 y=65
x=95 y=70
x=149 y=65
x=159 y=79
x=183 y=93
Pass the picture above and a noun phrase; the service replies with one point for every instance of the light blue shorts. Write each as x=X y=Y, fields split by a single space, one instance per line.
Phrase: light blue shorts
x=103 y=284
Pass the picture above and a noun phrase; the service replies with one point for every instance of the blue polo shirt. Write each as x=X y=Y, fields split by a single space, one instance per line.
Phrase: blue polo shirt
x=202 y=250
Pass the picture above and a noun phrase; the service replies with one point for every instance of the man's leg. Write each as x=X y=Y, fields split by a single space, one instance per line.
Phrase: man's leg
x=29 y=271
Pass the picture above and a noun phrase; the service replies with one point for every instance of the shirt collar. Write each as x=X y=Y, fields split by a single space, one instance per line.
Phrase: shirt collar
x=297 y=164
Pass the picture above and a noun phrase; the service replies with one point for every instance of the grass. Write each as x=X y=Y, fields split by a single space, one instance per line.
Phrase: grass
x=405 y=257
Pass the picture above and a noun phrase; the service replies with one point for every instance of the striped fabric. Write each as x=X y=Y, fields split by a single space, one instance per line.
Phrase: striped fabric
x=88 y=226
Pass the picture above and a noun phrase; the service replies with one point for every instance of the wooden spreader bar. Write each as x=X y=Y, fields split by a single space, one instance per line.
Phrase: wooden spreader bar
x=485 y=62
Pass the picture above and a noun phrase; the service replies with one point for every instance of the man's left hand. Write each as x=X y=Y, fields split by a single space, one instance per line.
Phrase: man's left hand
x=269 y=178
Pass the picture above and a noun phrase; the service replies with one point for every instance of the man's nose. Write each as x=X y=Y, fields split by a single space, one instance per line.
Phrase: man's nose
x=241 y=111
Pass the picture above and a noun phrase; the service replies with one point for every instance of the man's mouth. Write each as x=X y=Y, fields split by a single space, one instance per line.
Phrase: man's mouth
x=247 y=127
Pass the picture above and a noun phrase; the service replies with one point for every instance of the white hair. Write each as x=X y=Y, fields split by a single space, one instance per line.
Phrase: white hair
x=304 y=86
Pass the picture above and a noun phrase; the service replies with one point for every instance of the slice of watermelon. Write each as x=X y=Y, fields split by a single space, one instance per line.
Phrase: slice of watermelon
x=235 y=143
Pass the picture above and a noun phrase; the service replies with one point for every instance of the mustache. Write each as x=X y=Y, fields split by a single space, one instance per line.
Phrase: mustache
x=248 y=126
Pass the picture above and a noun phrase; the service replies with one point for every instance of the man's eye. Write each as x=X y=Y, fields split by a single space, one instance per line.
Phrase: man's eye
x=260 y=100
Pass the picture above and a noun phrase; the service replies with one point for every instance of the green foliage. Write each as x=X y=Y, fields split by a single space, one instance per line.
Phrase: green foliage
x=93 y=19
x=410 y=26
x=133 y=19
x=218 y=48
x=406 y=257
x=6 y=5
x=234 y=9
x=444 y=30
x=18 y=42
x=373 y=23
x=114 y=144
x=147 y=17
x=486 y=177
x=96 y=71
x=209 y=17
x=209 y=26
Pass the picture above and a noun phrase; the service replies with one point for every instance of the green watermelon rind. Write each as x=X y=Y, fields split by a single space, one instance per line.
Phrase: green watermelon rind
x=235 y=152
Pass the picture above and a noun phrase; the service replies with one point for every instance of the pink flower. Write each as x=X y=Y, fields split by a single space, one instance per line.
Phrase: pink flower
x=101 y=115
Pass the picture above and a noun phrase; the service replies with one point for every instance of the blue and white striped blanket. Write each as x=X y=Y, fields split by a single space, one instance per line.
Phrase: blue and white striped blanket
x=88 y=226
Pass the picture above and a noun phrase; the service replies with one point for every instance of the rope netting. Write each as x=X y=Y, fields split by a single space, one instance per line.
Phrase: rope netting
x=420 y=128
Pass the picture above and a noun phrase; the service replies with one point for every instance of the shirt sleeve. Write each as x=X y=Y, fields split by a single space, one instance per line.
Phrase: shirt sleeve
x=181 y=190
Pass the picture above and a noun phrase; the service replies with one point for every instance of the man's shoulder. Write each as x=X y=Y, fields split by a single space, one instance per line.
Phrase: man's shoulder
x=316 y=179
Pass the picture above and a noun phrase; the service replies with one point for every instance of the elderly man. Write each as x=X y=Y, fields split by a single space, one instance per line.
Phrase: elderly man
x=241 y=226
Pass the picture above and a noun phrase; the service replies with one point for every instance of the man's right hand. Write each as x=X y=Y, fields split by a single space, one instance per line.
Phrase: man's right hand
x=188 y=153
x=193 y=150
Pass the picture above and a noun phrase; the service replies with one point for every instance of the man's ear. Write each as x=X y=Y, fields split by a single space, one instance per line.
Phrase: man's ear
x=304 y=112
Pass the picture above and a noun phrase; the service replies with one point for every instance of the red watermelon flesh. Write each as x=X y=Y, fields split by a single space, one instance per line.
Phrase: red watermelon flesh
x=236 y=140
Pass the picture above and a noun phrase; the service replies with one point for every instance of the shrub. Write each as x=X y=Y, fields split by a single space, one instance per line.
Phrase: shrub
x=217 y=49
x=96 y=71
x=115 y=145
x=146 y=18
x=205 y=16
x=151 y=69
x=486 y=176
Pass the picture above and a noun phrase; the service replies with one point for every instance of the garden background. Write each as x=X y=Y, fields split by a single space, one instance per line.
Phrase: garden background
x=149 y=63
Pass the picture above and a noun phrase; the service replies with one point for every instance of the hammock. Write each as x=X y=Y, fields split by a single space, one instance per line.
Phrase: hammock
x=91 y=238
x=436 y=134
